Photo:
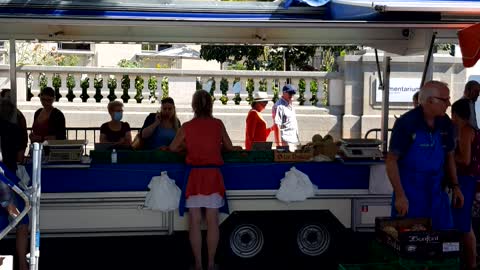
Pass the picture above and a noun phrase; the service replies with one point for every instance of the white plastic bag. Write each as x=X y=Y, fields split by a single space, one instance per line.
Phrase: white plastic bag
x=164 y=194
x=379 y=182
x=296 y=186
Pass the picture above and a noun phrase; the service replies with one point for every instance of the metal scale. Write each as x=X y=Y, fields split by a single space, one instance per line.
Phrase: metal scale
x=361 y=148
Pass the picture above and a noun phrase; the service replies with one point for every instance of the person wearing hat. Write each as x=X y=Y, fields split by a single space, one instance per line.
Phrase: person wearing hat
x=256 y=127
x=285 y=119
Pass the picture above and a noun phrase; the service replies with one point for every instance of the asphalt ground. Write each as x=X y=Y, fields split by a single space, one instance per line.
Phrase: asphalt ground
x=166 y=252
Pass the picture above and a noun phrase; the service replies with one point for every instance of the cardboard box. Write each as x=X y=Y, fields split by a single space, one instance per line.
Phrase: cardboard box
x=292 y=156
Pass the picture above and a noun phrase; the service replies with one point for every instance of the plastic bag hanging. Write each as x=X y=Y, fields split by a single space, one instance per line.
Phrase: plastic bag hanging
x=164 y=194
x=295 y=186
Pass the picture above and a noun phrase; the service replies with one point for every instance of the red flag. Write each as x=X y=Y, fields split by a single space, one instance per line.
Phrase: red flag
x=469 y=40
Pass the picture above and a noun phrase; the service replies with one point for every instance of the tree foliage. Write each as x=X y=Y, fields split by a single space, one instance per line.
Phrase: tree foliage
x=272 y=57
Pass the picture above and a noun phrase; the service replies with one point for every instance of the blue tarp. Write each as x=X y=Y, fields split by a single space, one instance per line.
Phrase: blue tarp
x=237 y=176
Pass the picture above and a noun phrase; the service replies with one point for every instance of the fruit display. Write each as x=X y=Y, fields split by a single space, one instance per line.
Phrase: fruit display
x=393 y=232
x=321 y=146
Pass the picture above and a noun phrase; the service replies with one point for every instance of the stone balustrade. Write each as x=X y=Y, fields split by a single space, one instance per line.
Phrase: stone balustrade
x=139 y=85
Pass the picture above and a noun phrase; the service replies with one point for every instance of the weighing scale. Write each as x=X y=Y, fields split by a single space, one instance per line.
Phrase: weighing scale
x=64 y=150
x=361 y=148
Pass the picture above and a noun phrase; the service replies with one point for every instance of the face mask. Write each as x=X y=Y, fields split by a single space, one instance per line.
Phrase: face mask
x=117 y=116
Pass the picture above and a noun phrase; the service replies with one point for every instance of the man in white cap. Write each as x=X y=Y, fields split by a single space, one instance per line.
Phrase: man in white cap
x=285 y=119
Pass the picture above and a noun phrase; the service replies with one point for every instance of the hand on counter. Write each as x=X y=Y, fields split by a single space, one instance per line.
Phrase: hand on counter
x=164 y=148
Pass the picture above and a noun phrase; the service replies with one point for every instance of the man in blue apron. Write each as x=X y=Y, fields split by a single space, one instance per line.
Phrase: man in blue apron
x=421 y=151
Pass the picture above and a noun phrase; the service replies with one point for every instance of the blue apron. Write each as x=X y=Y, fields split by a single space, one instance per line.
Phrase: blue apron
x=421 y=173
x=181 y=208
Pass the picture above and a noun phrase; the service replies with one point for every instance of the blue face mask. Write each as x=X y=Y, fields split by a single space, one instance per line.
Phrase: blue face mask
x=117 y=116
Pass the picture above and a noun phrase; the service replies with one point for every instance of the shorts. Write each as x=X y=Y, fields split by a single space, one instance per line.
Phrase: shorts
x=462 y=217
x=4 y=217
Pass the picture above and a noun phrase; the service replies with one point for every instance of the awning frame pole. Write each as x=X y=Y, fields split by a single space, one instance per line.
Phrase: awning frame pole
x=380 y=85
x=385 y=101
x=427 y=69
x=13 y=72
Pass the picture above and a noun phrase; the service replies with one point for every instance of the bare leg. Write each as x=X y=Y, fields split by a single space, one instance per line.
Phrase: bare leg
x=213 y=235
x=22 y=246
x=195 y=220
x=470 y=249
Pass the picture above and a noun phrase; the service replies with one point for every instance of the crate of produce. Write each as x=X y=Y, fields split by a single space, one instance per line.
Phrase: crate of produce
x=132 y=157
x=414 y=238
x=280 y=156
x=372 y=266
x=248 y=156
x=166 y=157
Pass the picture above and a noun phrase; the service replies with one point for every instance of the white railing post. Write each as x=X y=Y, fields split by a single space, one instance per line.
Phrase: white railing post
x=132 y=91
x=218 y=91
x=105 y=91
x=35 y=87
x=145 y=90
x=307 y=94
x=243 y=91
x=63 y=88
x=77 y=90
x=91 y=88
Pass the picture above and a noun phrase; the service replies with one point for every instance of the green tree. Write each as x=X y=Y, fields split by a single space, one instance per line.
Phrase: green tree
x=260 y=57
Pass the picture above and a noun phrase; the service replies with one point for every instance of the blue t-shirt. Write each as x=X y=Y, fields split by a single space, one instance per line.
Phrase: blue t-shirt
x=406 y=127
x=160 y=137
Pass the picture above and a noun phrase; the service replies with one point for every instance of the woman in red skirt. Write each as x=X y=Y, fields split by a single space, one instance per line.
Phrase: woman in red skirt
x=204 y=137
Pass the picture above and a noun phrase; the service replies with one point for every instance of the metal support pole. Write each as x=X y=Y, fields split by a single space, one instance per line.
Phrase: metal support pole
x=36 y=192
x=428 y=70
x=385 y=101
x=13 y=72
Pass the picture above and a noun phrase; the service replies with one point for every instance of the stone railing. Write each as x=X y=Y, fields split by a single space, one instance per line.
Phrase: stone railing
x=132 y=85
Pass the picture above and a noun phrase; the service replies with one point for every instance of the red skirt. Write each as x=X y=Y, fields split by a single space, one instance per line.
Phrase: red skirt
x=205 y=181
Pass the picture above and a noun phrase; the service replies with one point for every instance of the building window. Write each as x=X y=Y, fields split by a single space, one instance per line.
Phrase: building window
x=152 y=47
x=2 y=44
x=74 y=46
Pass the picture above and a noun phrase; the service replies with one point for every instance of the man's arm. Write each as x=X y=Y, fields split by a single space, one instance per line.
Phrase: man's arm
x=452 y=176
x=401 y=201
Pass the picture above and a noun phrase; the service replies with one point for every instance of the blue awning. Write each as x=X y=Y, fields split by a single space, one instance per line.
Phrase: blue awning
x=388 y=10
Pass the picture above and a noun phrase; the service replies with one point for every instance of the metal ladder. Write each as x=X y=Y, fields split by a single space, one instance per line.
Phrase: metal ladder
x=32 y=202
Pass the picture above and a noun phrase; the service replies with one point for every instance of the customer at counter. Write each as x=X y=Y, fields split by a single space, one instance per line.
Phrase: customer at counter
x=160 y=128
x=204 y=137
x=48 y=122
x=256 y=127
x=116 y=131
x=10 y=204
x=467 y=157
x=21 y=122
x=421 y=150
x=285 y=119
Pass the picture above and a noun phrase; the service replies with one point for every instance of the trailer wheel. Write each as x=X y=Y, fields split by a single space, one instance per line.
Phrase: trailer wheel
x=246 y=241
x=313 y=239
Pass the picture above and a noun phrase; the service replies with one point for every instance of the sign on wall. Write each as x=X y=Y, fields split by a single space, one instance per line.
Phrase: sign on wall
x=401 y=90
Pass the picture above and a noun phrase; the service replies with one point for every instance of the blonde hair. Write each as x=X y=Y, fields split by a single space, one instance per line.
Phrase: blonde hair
x=114 y=104
x=202 y=104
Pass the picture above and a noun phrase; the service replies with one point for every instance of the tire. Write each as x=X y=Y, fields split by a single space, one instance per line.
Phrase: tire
x=313 y=240
x=246 y=241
